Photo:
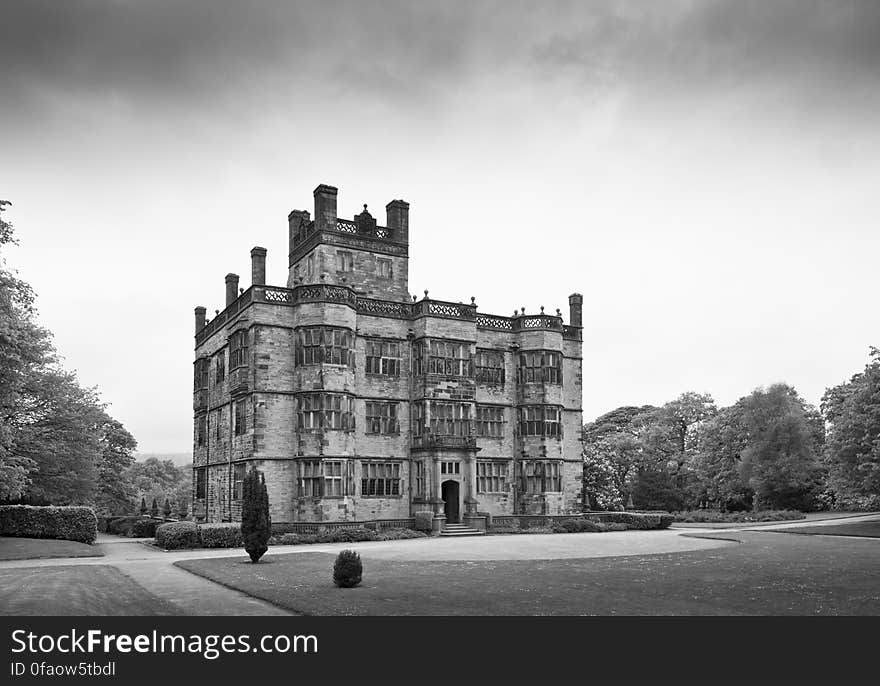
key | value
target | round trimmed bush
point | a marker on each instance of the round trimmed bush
(347, 570)
(176, 535)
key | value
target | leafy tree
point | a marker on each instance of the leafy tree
(54, 441)
(115, 489)
(852, 451)
(780, 459)
(716, 464)
(56, 424)
(24, 346)
(160, 479)
(255, 522)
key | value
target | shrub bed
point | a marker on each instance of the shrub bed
(176, 535)
(708, 516)
(69, 523)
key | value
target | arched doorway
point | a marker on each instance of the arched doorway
(449, 492)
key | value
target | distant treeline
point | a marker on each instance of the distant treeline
(769, 450)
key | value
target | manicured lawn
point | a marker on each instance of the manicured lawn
(75, 590)
(768, 574)
(13, 548)
(868, 529)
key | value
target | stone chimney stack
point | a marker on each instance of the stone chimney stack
(258, 266)
(575, 309)
(231, 288)
(325, 207)
(200, 318)
(397, 222)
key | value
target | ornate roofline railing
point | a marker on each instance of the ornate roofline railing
(384, 308)
(345, 295)
(441, 308)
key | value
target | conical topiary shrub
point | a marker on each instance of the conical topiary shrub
(347, 570)
(166, 509)
(143, 506)
(255, 523)
(182, 509)
(154, 510)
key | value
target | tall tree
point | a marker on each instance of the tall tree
(255, 523)
(780, 460)
(852, 451)
(56, 425)
(115, 490)
(24, 346)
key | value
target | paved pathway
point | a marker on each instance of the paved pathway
(154, 570)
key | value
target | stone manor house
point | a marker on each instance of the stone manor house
(359, 402)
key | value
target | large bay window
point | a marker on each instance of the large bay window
(449, 358)
(238, 349)
(324, 345)
(381, 417)
(323, 478)
(491, 477)
(450, 419)
(540, 420)
(327, 411)
(539, 366)
(383, 358)
(380, 478)
(490, 421)
(542, 476)
(489, 367)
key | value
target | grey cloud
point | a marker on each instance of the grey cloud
(418, 54)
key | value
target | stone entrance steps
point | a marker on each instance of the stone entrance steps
(460, 530)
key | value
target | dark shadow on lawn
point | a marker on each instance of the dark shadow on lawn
(16, 548)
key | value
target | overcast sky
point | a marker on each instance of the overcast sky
(705, 173)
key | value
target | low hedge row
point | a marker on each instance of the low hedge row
(69, 523)
(594, 523)
(710, 516)
(177, 535)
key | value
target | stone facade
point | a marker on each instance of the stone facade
(359, 402)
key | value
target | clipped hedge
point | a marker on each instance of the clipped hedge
(176, 535)
(576, 526)
(710, 516)
(68, 523)
(220, 535)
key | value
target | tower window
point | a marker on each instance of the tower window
(540, 366)
(382, 418)
(490, 421)
(450, 419)
(344, 261)
(491, 477)
(540, 420)
(489, 367)
(383, 268)
(542, 476)
(380, 478)
(383, 358)
(323, 345)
